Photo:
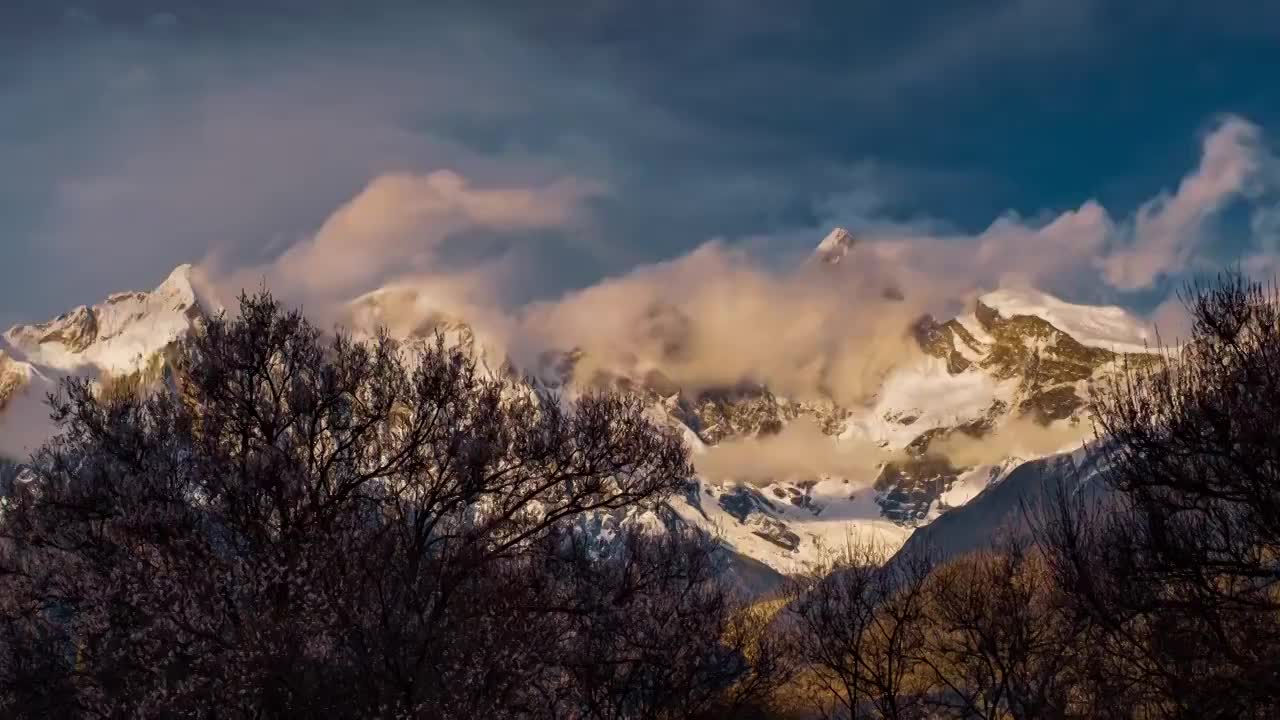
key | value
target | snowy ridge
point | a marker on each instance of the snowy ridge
(115, 336)
(24, 417)
(125, 334)
(789, 527)
(1107, 327)
(928, 396)
(1020, 358)
(834, 246)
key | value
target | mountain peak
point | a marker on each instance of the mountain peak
(1103, 326)
(119, 334)
(189, 289)
(1018, 354)
(834, 246)
(179, 278)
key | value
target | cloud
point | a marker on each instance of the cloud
(142, 152)
(721, 315)
(1011, 251)
(454, 163)
(244, 124)
(724, 315)
(716, 318)
(395, 227)
(1172, 321)
(321, 173)
(143, 149)
(800, 451)
(1088, 251)
(1167, 229)
(1017, 437)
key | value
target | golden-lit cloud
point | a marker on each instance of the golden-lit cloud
(1166, 230)
(716, 318)
(719, 316)
(800, 451)
(395, 226)
(1017, 437)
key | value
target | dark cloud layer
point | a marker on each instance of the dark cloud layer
(136, 135)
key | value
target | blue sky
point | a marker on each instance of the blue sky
(138, 135)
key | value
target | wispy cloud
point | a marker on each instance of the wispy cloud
(1089, 250)
(1165, 233)
(395, 227)
(723, 315)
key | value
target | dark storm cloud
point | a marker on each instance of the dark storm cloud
(136, 135)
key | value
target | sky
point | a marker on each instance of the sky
(544, 160)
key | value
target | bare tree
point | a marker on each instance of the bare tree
(298, 526)
(1176, 567)
(999, 642)
(859, 625)
(650, 632)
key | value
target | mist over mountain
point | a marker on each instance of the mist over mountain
(791, 462)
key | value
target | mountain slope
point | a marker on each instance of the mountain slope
(1005, 508)
(125, 335)
(989, 390)
(992, 388)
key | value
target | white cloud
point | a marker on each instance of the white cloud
(394, 227)
(717, 318)
(1166, 230)
(800, 451)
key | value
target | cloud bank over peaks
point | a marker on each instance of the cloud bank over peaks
(1089, 252)
(396, 226)
(800, 451)
(1166, 231)
(722, 315)
(717, 317)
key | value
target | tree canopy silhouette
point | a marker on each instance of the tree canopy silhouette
(1175, 564)
(297, 524)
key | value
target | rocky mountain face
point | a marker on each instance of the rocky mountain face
(1018, 357)
(1044, 373)
(126, 337)
(117, 335)
(12, 377)
(998, 512)
(834, 247)
(1017, 360)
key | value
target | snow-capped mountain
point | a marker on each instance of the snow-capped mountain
(127, 335)
(1002, 507)
(116, 335)
(995, 388)
(834, 247)
(991, 389)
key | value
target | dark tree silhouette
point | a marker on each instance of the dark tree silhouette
(999, 643)
(296, 525)
(985, 635)
(1175, 566)
(859, 624)
(650, 634)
